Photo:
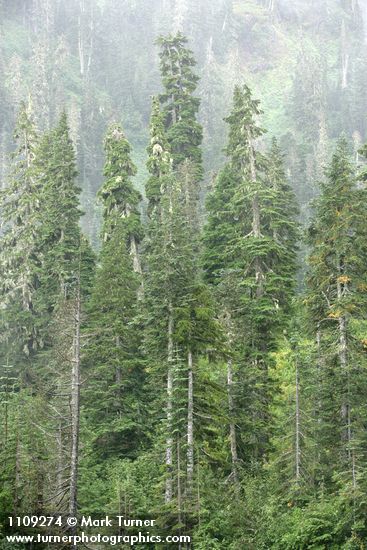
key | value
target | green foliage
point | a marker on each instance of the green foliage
(180, 107)
(336, 302)
(20, 207)
(113, 359)
(251, 239)
(140, 325)
(159, 162)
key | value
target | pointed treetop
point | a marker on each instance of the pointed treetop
(180, 106)
(159, 161)
(243, 128)
(25, 131)
(118, 170)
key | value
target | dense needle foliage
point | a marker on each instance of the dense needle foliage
(205, 363)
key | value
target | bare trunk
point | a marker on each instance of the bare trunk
(179, 492)
(80, 37)
(60, 459)
(190, 424)
(343, 359)
(169, 442)
(319, 386)
(345, 71)
(344, 57)
(298, 428)
(232, 427)
(81, 50)
(256, 217)
(198, 490)
(91, 29)
(75, 409)
(354, 471)
(17, 476)
(135, 255)
(256, 221)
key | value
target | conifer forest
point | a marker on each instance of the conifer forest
(183, 273)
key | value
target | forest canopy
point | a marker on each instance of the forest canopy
(183, 270)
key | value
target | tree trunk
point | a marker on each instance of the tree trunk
(344, 57)
(319, 385)
(169, 442)
(60, 459)
(179, 492)
(80, 37)
(298, 428)
(135, 255)
(343, 358)
(256, 221)
(190, 424)
(75, 408)
(232, 427)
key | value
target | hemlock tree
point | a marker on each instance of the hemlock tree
(250, 255)
(59, 239)
(337, 305)
(113, 359)
(19, 205)
(159, 161)
(181, 325)
(64, 276)
(180, 107)
(60, 259)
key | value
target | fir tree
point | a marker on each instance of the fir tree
(337, 304)
(19, 206)
(119, 197)
(159, 162)
(59, 239)
(58, 265)
(181, 324)
(251, 255)
(113, 356)
(180, 107)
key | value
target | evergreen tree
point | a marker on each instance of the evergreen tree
(159, 162)
(181, 325)
(336, 303)
(57, 270)
(59, 236)
(19, 205)
(113, 358)
(180, 107)
(250, 255)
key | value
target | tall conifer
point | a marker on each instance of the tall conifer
(250, 255)
(19, 204)
(337, 304)
(180, 106)
(113, 357)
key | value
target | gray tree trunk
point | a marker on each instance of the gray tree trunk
(190, 424)
(75, 408)
(256, 222)
(298, 429)
(169, 441)
(232, 427)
